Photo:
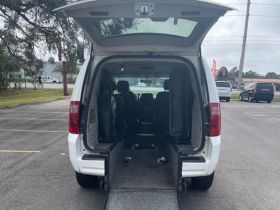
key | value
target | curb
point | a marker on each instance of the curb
(33, 103)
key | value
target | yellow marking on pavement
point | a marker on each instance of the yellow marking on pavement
(19, 151)
(34, 131)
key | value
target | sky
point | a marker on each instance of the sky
(224, 41)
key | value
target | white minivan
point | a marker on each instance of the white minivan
(50, 79)
(155, 137)
(224, 90)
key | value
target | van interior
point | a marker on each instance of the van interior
(144, 113)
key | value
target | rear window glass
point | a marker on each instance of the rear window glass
(222, 84)
(264, 85)
(125, 26)
(139, 85)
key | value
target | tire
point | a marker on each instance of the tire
(228, 100)
(250, 98)
(269, 101)
(240, 97)
(203, 182)
(87, 181)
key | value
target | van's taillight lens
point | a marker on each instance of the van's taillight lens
(215, 119)
(74, 112)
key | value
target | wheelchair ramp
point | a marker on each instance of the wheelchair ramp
(142, 199)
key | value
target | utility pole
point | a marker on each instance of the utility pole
(242, 58)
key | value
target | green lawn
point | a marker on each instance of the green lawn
(13, 97)
(236, 97)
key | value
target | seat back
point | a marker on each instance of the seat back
(161, 109)
(146, 103)
(129, 101)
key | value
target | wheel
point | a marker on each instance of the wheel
(87, 180)
(203, 182)
(250, 98)
(228, 99)
(269, 101)
(240, 97)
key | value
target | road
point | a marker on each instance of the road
(35, 172)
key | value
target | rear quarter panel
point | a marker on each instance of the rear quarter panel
(77, 91)
(213, 93)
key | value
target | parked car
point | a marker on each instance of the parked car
(224, 90)
(50, 79)
(257, 92)
(107, 122)
(277, 86)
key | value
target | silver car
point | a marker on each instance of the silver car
(224, 90)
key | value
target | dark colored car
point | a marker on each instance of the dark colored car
(257, 92)
(277, 86)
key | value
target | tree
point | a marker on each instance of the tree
(29, 23)
(33, 69)
(233, 74)
(271, 75)
(8, 65)
(251, 74)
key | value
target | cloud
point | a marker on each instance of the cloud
(224, 41)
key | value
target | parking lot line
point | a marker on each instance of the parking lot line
(19, 151)
(21, 118)
(34, 131)
(33, 111)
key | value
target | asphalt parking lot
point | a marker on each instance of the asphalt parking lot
(35, 172)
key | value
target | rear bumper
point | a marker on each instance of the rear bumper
(90, 167)
(195, 169)
(189, 169)
(263, 97)
(224, 94)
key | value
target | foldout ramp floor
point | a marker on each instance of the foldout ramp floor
(126, 199)
(143, 184)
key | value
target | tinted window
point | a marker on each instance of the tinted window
(222, 84)
(264, 85)
(124, 26)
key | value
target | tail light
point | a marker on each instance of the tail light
(74, 113)
(215, 119)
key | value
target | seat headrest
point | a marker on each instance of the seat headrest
(146, 99)
(166, 84)
(122, 86)
(112, 86)
(108, 87)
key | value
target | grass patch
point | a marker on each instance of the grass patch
(236, 97)
(14, 97)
